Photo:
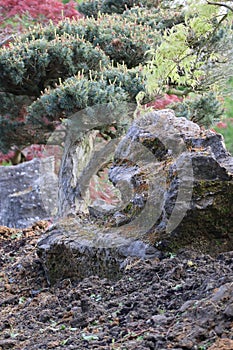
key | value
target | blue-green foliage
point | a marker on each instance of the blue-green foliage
(29, 67)
(66, 67)
(201, 109)
(120, 39)
(91, 8)
(110, 86)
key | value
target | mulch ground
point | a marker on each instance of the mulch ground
(179, 302)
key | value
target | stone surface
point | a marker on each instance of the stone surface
(176, 191)
(28, 192)
(76, 249)
(188, 184)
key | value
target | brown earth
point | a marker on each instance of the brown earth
(179, 302)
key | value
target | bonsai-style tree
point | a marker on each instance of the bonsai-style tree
(136, 54)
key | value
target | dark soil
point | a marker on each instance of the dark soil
(178, 302)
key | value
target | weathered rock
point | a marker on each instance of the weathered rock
(7, 343)
(177, 191)
(76, 249)
(193, 182)
(28, 192)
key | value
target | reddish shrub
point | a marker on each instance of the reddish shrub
(164, 102)
(43, 10)
(221, 125)
(33, 151)
(28, 153)
(6, 157)
(18, 15)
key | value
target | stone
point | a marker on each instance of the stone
(76, 249)
(188, 185)
(222, 344)
(28, 192)
(7, 343)
(229, 310)
(176, 190)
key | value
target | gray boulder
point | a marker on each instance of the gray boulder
(186, 192)
(28, 192)
(176, 191)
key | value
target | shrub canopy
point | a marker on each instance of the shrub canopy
(129, 51)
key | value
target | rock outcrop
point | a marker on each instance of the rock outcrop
(188, 198)
(28, 192)
(176, 191)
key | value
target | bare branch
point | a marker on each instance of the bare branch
(5, 40)
(220, 4)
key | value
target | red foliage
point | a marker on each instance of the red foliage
(164, 102)
(33, 151)
(42, 10)
(29, 153)
(6, 157)
(221, 125)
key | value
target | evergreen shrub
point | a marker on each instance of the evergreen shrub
(203, 109)
(27, 68)
(52, 71)
(91, 8)
(109, 86)
(156, 18)
(122, 40)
